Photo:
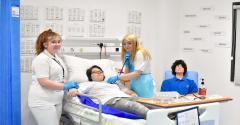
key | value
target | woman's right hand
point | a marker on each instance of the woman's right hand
(69, 85)
(73, 92)
(133, 94)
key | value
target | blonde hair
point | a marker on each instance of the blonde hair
(44, 37)
(135, 47)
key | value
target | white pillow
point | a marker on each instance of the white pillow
(77, 67)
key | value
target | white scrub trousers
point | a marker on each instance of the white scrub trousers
(47, 115)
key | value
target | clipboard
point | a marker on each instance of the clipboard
(188, 116)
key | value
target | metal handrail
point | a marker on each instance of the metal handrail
(99, 110)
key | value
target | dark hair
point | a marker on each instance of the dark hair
(89, 72)
(179, 62)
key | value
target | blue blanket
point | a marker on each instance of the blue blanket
(107, 109)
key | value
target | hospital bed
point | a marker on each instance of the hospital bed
(84, 115)
(81, 114)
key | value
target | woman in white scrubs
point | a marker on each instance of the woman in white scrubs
(48, 78)
(137, 60)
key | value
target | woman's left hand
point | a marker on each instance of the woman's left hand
(73, 92)
(134, 94)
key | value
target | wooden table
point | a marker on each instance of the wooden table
(175, 103)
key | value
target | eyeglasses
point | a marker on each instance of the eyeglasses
(97, 72)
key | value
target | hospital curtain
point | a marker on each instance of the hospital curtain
(10, 101)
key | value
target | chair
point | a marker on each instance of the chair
(193, 75)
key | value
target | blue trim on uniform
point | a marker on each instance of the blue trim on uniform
(10, 90)
(182, 86)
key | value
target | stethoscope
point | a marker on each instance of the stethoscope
(58, 62)
(59, 65)
(121, 71)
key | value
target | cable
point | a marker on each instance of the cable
(127, 58)
(121, 71)
(198, 97)
(105, 50)
(100, 53)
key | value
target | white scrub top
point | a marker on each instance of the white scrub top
(44, 66)
(142, 65)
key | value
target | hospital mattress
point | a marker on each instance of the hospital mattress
(85, 116)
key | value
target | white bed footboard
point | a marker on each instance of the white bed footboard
(83, 115)
(209, 115)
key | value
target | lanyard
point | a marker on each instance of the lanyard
(59, 65)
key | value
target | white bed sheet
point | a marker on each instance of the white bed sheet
(93, 115)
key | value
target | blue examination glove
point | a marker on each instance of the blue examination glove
(113, 79)
(69, 85)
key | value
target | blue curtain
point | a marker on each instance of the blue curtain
(10, 94)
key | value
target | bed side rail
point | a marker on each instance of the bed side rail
(99, 110)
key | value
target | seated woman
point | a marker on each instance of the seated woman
(179, 82)
(109, 94)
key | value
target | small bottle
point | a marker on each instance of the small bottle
(202, 90)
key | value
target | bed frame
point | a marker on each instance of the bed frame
(209, 114)
(70, 114)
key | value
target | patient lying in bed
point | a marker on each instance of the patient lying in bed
(109, 94)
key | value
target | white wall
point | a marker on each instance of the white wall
(215, 65)
(116, 27)
(26, 116)
(167, 44)
(162, 27)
